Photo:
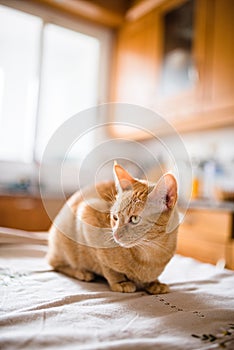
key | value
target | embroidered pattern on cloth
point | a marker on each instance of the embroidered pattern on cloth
(177, 308)
(224, 338)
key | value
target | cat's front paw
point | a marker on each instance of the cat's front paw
(157, 288)
(123, 287)
(76, 273)
(84, 276)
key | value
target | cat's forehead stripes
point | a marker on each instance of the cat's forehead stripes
(130, 201)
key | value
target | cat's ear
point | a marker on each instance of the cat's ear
(165, 191)
(123, 180)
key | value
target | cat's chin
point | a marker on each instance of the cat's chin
(125, 244)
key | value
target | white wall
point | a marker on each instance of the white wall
(216, 145)
(200, 145)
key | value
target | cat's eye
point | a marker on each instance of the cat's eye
(135, 219)
(115, 217)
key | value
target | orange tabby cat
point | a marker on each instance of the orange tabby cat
(123, 230)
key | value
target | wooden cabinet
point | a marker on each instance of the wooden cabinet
(27, 213)
(230, 255)
(207, 236)
(186, 69)
(220, 55)
(136, 61)
(208, 101)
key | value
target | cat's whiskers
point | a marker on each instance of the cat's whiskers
(140, 245)
(157, 244)
(110, 239)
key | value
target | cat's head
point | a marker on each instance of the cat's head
(141, 211)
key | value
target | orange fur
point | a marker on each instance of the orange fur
(97, 233)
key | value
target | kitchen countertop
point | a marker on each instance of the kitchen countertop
(33, 193)
(204, 204)
(207, 204)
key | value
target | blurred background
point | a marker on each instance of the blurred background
(173, 57)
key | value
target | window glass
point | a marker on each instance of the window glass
(69, 82)
(19, 62)
(179, 72)
(48, 73)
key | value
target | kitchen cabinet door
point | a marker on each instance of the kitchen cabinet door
(206, 235)
(143, 46)
(178, 61)
(27, 212)
(135, 68)
(220, 59)
(182, 65)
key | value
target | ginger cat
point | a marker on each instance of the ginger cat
(124, 230)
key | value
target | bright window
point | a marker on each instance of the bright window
(19, 59)
(69, 81)
(48, 73)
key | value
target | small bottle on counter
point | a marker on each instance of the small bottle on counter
(196, 181)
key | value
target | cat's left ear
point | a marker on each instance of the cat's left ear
(123, 180)
(165, 191)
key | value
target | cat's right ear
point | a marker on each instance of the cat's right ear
(165, 191)
(123, 180)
